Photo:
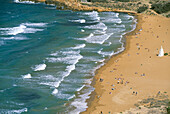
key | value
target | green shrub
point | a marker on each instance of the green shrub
(142, 9)
(168, 15)
(123, 0)
(168, 110)
(139, 3)
(161, 8)
(165, 54)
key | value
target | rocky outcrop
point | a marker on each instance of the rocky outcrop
(131, 6)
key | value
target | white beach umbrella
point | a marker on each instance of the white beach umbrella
(161, 52)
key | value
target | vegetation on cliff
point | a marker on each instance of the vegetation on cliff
(152, 7)
(158, 104)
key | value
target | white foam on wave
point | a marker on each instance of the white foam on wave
(94, 15)
(112, 20)
(22, 28)
(4, 111)
(129, 17)
(66, 73)
(13, 30)
(14, 38)
(25, 2)
(109, 43)
(82, 30)
(79, 46)
(69, 69)
(134, 25)
(116, 30)
(67, 60)
(122, 48)
(2, 91)
(90, 35)
(106, 53)
(55, 91)
(117, 14)
(19, 111)
(35, 24)
(100, 25)
(120, 26)
(79, 21)
(32, 30)
(71, 97)
(99, 32)
(100, 51)
(72, 52)
(80, 103)
(69, 57)
(79, 89)
(39, 67)
(111, 14)
(92, 59)
(26, 76)
(101, 61)
(99, 39)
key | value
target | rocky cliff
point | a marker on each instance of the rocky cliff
(150, 7)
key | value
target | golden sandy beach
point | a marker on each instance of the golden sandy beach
(137, 69)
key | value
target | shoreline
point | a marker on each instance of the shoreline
(100, 88)
(92, 100)
(120, 50)
(94, 105)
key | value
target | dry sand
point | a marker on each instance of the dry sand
(140, 57)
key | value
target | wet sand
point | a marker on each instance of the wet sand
(136, 73)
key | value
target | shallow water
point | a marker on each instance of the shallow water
(48, 57)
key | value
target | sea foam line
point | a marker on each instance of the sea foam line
(79, 21)
(27, 76)
(80, 103)
(71, 58)
(19, 111)
(14, 38)
(22, 28)
(99, 39)
(39, 67)
(79, 46)
(100, 25)
(35, 24)
(94, 15)
(26, 2)
(67, 72)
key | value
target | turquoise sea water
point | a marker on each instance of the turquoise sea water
(48, 57)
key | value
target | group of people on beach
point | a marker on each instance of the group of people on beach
(134, 93)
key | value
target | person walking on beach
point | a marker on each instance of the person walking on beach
(136, 93)
(133, 92)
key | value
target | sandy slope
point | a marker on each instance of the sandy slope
(138, 58)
